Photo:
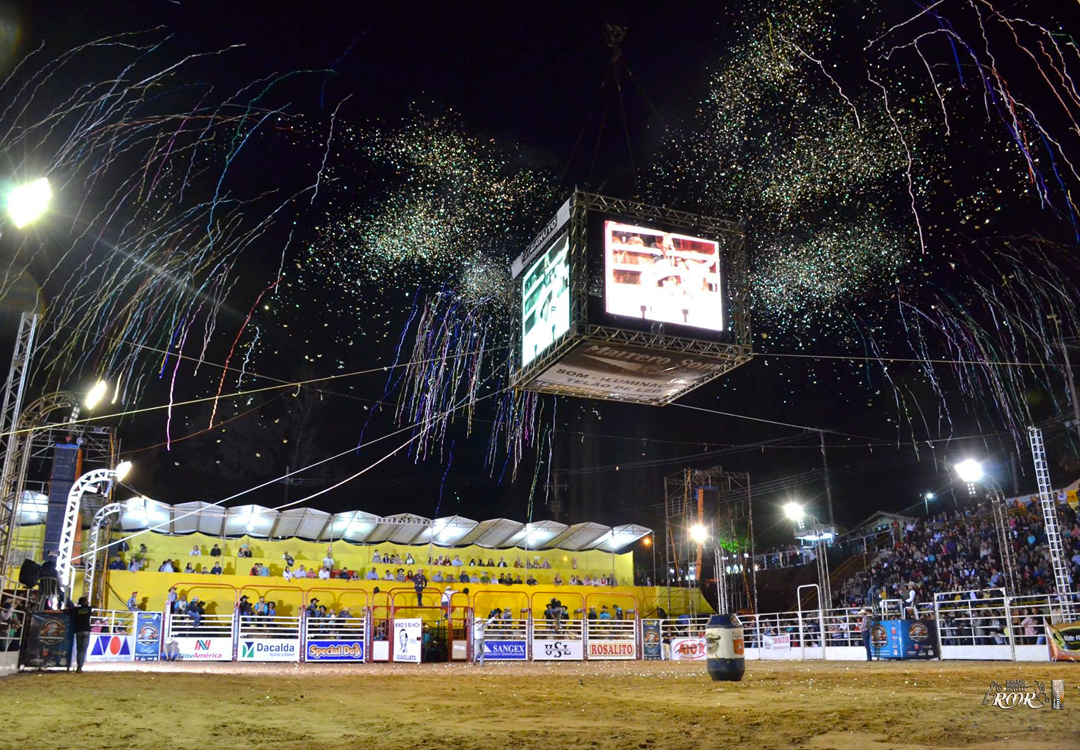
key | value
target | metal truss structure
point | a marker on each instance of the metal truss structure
(10, 435)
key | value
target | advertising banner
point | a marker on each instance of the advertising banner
(47, 642)
(269, 649)
(203, 649)
(1065, 641)
(919, 639)
(650, 638)
(504, 650)
(541, 240)
(334, 650)
(551, 650)
(612, 650)
(406, 640)
(627, 373)
(778, 642)
(885, 639)
(687, 649)
(147, 636)
(107, 647)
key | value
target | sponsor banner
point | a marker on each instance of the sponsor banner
(548, 231)
(203, 649)
(919, 639)
(553, 650)
(628, 373)
(104, 647)
(269, 649)
(406, 640)
(504, 650)
(147, 636)
(687, 649)
(334, 650)
(885, 639)
(650, 638)
(1065, 641)
(612, 650)
(47, 642)
(778, 642)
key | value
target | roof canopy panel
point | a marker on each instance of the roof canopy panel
(402, 528)
(353, 526)
(305, 523)
(144, 513)
(250, 520)
(579, 536)
(492, 534)
(620, 537)
(536, 534)
(446, 532)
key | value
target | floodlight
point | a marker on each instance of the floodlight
(122, 470)
(698, 533)
(794, 511)
(98, 392)
(26, 203)
(969, 470)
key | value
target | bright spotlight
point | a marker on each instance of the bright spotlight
(969, 470)
(26, 203)
(698, 533)
(794, 511)
(98, 392)
(122, 470)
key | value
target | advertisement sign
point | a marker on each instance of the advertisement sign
(558, 221)
(612, 650)
(545, 301)
(47, 642)
(334, 651)
(650, 639)
(504, 650)
(885, 639)
(627, 373)
(106, 647)
(406, 640)
(919, 639)
(269, 649)
(203, 649)
(553, 650)
(1065, 641)
(147, 636)
(662, 277)
(687, 649)
(778, 642)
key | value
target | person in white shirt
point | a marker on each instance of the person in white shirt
(324, 573)
(479, 629)
(195, 551)
(328, 562)
(287, 574)
(372, 574)
(301, 572)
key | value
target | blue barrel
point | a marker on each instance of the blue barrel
(724, 648)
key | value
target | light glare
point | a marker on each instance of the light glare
(98, 392)
(122, 470)
(794, 511)
(969, 470)
(26, 203)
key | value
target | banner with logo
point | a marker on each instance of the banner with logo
(269, 649)
(1065, 641)
(612, 650)
(405, 640)
(334, 650)
(203, 649)
(147, 636)
(552, 650)
(650, 640)
(504, 650)
(687, 649)
(885, 639)
(918, 639)
(47, 642)
(777, 642)
(106, 647)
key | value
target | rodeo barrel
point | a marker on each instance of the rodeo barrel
(724, 644)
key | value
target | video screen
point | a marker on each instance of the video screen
(545, 300)
(662, 277)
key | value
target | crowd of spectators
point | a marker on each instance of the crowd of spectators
(959, 551)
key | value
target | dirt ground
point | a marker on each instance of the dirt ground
(653, 705)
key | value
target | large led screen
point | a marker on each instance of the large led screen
(545, 300)
(662, 277)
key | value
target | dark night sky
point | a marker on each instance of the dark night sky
(528, 73)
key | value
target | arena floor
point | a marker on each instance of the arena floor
(655, 705)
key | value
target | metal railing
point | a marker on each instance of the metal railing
(561, 629)
(210, 626)
(268, 626)
(116, 621)
(611, 630)
(335, 628)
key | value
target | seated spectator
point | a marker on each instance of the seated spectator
(166, 567)
(517, 579)
(195, 611)
(134, 566)
(271, 610)
(557, 580)
(216, 570)
(180, 607)
(216, 551)
(324, 573)
(256, 569)
(376, 558)
(502, 562)
(117, 564)
(491, 562)
(246, 610)
(457, 562)
(287, 574)
(409, 576)
(265, 571)
(195, 551)
(530, 581)
(289, 561)
(399, 576)
(484, 577)
(587, 580)
(245, 551)
(592, 613)
(464, 578)
(188, 568)
(409, 559)
(517, 562)
(436, 577)
(388, 576)
(260, 607)
(301, 572)
(618, 612)
(546, 565)
(372, 574)
(472, 562)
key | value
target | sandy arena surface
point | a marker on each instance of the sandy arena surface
(655, 705)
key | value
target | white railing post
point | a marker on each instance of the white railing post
(1009, 627)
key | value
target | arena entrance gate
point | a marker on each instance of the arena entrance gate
(560, 638)
(269, 638)
(612, 638)
(340, 639)
(213, 638)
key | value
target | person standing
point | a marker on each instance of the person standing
(479, 629)
(419, 583)
(864, 629)
(80, 626)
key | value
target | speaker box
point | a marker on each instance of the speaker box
(29, 573)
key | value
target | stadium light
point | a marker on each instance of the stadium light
(26, 203)
(98, 392)
(794, 511)
(698, 533)
(122, 470)
(969, 470)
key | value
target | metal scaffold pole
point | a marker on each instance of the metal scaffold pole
(10, 439)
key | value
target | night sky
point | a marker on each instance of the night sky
(843, 266)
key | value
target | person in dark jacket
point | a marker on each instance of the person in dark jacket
(80, 625)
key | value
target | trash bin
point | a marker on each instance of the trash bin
(724, 648)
